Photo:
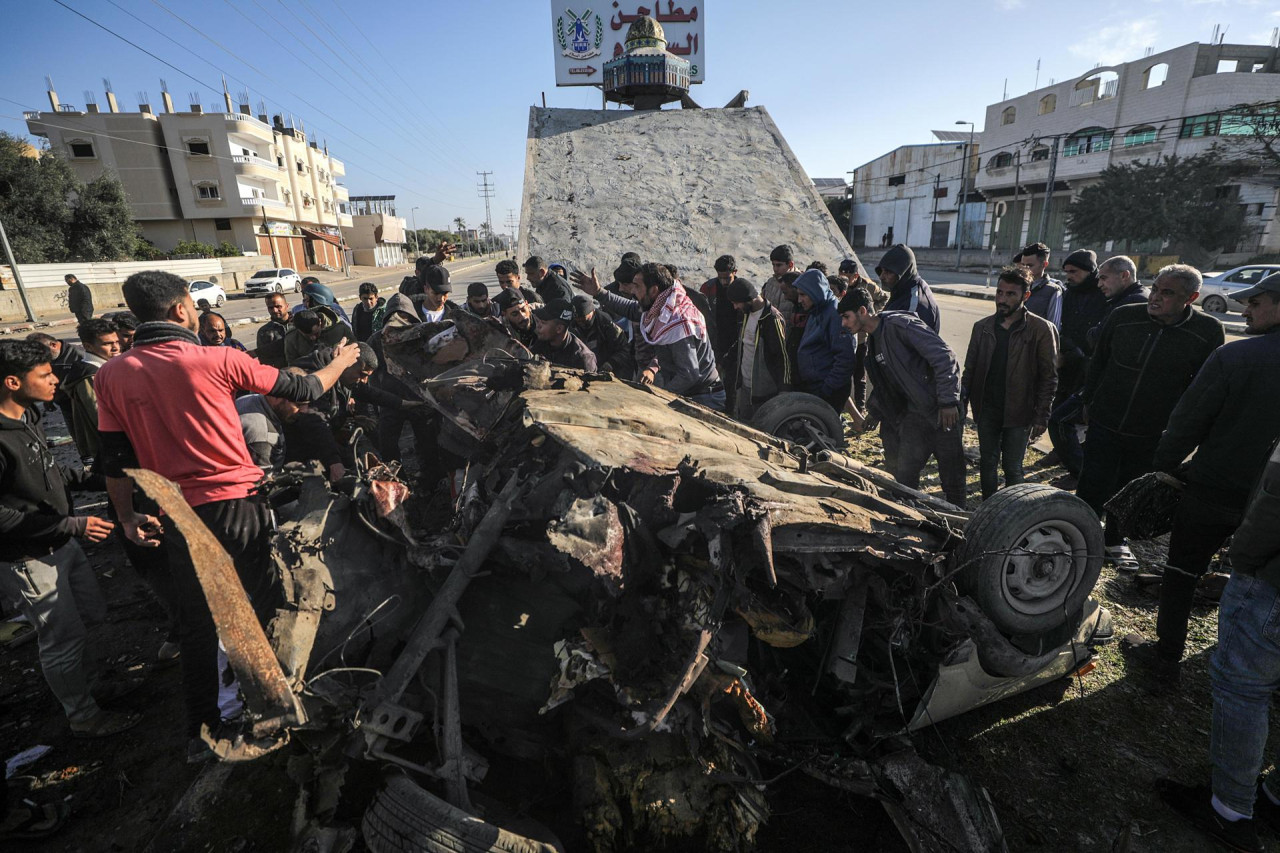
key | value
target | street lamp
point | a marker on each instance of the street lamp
(964, 178)
(417, 249)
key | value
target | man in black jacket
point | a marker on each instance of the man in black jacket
(42, 567)
(517, 315)
(1119, 283)
(79, 298)
(603, 337)
(1146, 357)
(1229, 417)
(1245, 675)
(270, 348)
(907, 290)
(555, 342)
(1082, 308)
(508, 273)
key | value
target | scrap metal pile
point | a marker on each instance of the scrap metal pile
(651, 609)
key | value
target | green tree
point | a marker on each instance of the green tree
(840, 209)
(102, 226)
(228, 250)
(195, 247)
(35, 195)
(1184, 201)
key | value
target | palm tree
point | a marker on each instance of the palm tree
(461, 225)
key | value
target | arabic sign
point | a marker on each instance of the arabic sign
(585, 35)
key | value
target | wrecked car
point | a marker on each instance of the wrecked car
(646, 608)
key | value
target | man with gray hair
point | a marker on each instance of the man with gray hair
(1145, 359)
(1229, 418)
(1118, 281)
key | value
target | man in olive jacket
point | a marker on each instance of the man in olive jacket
(1146, 357)
(1010, 376)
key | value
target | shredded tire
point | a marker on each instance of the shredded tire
(1029, 595)
(405, 818)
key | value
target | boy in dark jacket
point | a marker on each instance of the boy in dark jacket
(1146, 357)
(761, 367)
(825, 357)
(42, 567)
(366, 316)
(915, 393)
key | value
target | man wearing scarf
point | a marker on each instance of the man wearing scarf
(673, 349)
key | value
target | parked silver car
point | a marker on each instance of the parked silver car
(273, 281)
(1217, 294)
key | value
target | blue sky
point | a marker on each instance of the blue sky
(417, 96)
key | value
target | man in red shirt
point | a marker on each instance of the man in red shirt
(168, 405)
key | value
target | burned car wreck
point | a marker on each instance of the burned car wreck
(649, 608)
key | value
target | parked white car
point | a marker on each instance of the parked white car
(273, 281)
(208, 292)
(1217, 294)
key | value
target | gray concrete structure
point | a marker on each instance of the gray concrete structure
(677, 186)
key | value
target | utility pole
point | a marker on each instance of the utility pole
(17, 276)
(1048, 191)
(486, 193)
(512, 224)
(1017, 198)
(417, 246)
(962, 195)
(853, 176)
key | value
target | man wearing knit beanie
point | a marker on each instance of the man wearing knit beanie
(1083, 307)
(759, 365)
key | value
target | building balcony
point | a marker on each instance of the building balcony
(261, 202)
(344, 220)
(248, 163)
(241, 123)
(337, 167)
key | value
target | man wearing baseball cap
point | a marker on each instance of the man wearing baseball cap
(603, 337)
(555, 342)
(435, 305)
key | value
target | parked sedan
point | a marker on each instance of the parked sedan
(208, 293)
(273, 281)
(1217, 294)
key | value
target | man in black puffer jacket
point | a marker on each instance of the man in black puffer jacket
(1083, 306)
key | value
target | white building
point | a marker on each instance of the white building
(214, 177)
(376, 236)
(910, 196)
(1175, 102)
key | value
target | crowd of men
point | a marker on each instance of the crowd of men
(1145, 376)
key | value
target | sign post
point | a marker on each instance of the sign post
(585, 35)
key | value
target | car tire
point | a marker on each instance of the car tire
(279, 287)
(297, 286)
(222, 300)
(790, 415)
(1214, 304)
(1031, 557)
(405, 817)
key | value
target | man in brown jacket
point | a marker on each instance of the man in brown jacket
(1010, 375)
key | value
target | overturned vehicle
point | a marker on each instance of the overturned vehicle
(641, 616)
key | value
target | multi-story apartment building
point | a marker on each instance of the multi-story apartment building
(376, 236)
(911, 195)
(210, 176)
(1175, 102)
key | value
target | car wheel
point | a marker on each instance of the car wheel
(1214, 305)
(279, 287)
(222, 300)
(404, 816)
(297, 286)
(1030, 559)
(802, 419)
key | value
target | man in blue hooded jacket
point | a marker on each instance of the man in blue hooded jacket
(316, 295)
(826, 355)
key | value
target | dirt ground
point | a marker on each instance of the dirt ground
(1069, 766)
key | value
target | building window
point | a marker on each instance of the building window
(1003, 160)
(1098, 86)
(1040, 152)
(1140, 136)
(207, 191)
(1087, 141)
(1227, 66)
(940, 192)
(301, 168)
(1008, 116)
(198, 147)
(222, 224)
(1194, 127)
(1155, 75)
(1048, 104)
(81, 149)
(897, 180)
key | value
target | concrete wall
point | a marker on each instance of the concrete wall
(677, 186)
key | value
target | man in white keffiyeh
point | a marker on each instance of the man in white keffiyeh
(673, 347)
